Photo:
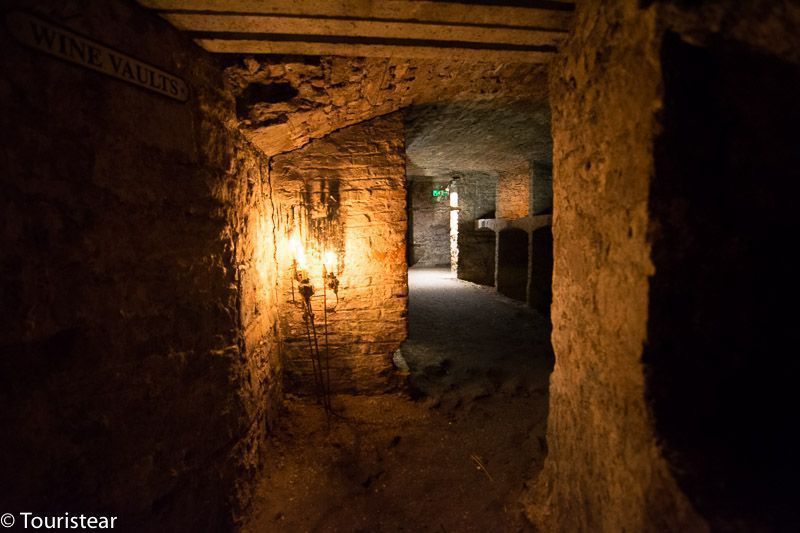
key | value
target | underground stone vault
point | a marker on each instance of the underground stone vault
(401, 265)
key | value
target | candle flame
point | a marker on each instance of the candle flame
(330, 260)
(298, 252)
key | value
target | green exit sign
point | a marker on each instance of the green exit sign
(440, 193)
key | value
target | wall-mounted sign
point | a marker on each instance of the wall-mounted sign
(441, 192)
(70, 46)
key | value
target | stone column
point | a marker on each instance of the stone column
(513, 192)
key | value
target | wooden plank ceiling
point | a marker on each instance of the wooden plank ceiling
(519, 31)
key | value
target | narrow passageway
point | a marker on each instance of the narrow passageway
(466, 341)
(221, 223)
(453, 455)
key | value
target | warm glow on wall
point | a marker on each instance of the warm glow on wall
(307, 288)
(304, 254)
(330, 261)
(298, 251)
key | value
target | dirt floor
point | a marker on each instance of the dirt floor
(451, 454)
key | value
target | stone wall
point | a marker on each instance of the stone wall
(604, 470)
(476, 248)
(284, 102)
(614, 464)
(138, 366)
(346, 193)
(430, 222)
(513, 248)
(514, 192)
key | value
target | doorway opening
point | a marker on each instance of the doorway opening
(477, 360)
(720, 382)
(429, 236)
(454, 225)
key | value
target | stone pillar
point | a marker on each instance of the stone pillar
(672, 159)
(476, 248)
(513, 192)
(604, 470)
(430, 222)
(513, 201)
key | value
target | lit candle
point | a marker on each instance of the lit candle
(298, 252)
(301, 259)
(330, 261)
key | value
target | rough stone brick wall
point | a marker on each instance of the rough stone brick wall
(311, 97)
(257, 377)
(514, 192)
(346, 192)
(138, 342)
(430, 223)
(476, 248)
(604, 470)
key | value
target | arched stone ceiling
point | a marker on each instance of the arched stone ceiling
(282, 103)
(472, 72)
(489, 136)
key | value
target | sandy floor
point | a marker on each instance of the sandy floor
(452, 454)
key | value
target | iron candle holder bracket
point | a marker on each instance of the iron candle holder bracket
(320, 365)
(331, 282)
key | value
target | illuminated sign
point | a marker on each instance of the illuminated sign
(441, 192)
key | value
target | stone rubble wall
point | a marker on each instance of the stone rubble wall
(283, 103)
(346, 193)
(514, 192)
(139, 367)
(606, 470)
(430, 232)
(476, 248)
